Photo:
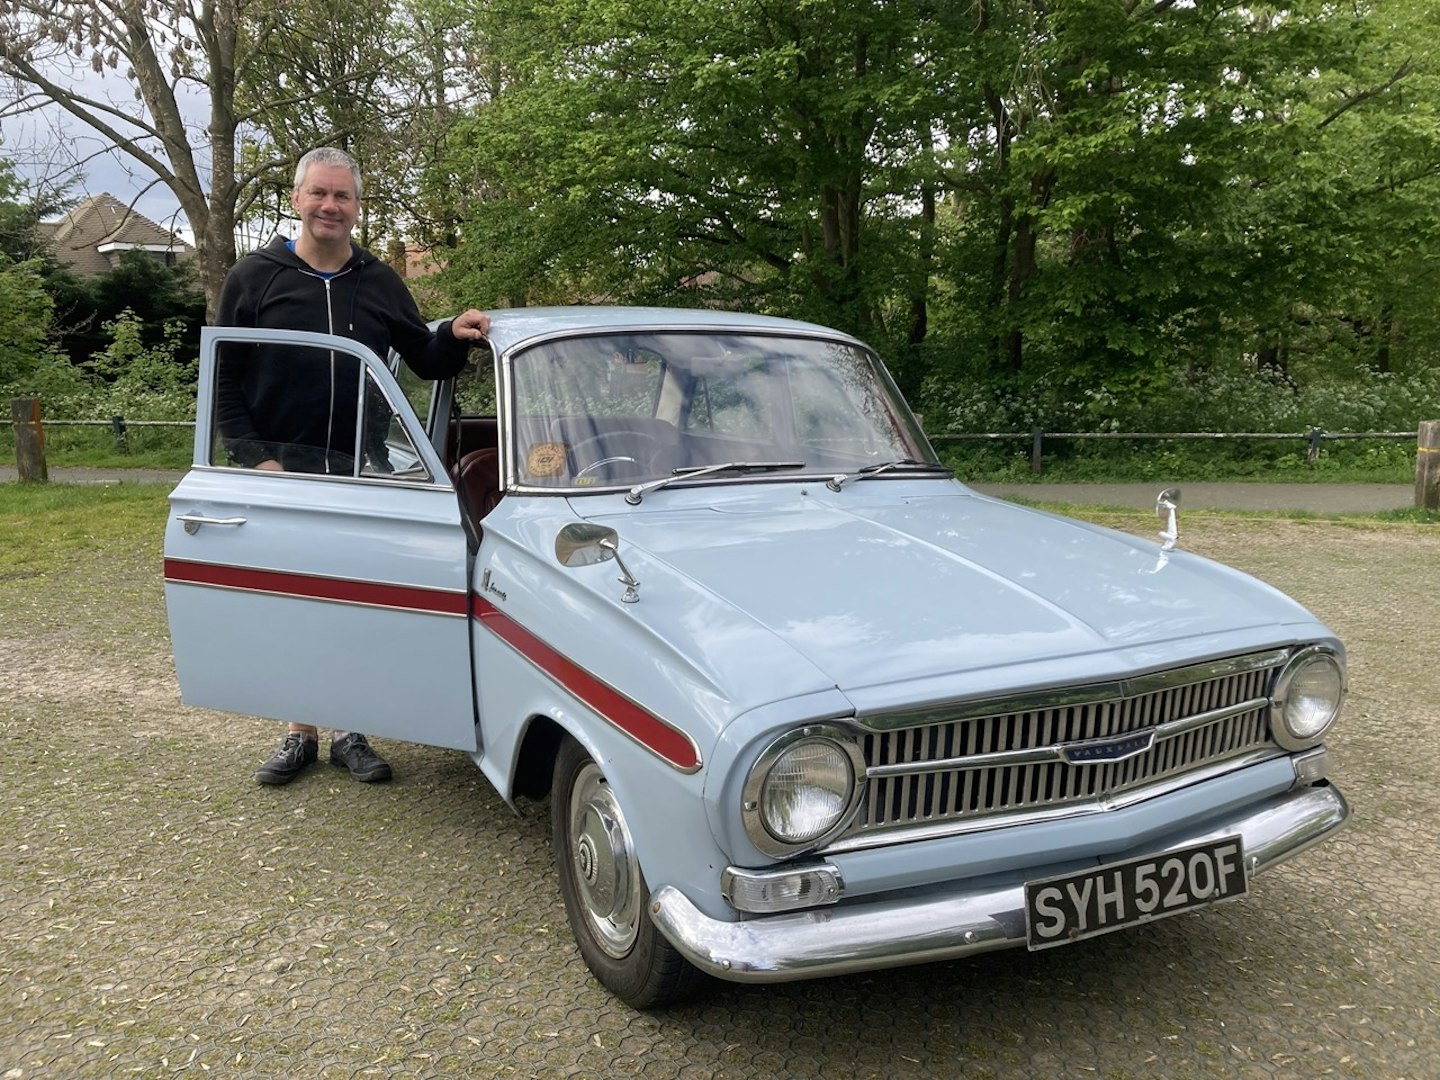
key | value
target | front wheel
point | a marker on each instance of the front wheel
(604, 889)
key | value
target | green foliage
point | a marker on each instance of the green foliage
(148, 381)
(126, 378)
(737, 153)
(157, 297)
(25, 310)
(1234, 399)
(1160, 461)
(1070, 205)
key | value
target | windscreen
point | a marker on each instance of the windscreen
(622, 409)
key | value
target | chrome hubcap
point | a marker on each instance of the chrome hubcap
(606, 874)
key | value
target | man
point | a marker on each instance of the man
(277, 414)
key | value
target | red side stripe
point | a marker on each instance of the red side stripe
(374, 594)
(648, 730)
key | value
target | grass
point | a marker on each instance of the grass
(44, 527)
(1126, 514)
(1412, 514)
(98, 448)
(1373, 461)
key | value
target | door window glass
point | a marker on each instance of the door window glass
(307, 409)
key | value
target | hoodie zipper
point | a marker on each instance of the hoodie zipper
(330, 325)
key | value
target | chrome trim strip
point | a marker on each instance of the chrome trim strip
(1214, 669)
(273, 594)
(1091, 694)
(866, 935)
(430, 483)
(904, 834)
(1171, 728)
(1056, 752)
(974, 761)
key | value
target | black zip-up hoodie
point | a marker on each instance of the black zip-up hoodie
(271, 406)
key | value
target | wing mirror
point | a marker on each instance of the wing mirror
(583, 544)
(580, 544)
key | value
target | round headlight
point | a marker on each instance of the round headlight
(806, 791)
(1307, 698)
(802, 789)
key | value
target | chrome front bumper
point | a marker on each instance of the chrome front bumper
(863, 936)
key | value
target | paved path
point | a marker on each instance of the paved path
(9, 474)
(1311, 498)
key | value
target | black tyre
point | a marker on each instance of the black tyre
(605, 892)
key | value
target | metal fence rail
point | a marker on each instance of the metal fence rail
(1312, 437)
(111, 423)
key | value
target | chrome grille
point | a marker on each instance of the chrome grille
(974, 769)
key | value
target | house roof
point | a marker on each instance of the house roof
(90, 236)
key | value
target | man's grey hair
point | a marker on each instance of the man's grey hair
(327, 155)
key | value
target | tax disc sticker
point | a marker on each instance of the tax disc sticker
(545, 459)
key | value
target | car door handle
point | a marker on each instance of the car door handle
(194, 521)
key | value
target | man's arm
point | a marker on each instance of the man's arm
(237, 428)
(437, 355)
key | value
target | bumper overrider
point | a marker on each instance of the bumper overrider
(943, 925)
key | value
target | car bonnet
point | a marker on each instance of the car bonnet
(884, 583)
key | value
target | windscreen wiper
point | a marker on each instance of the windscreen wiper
(690, 472)
(835, 483)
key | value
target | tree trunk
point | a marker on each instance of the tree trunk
(1384, 335)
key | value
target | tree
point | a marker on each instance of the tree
(380, 81)
(155, 295)
(20, 215)
(1091, 192)
(55, 49)
(1378, 159)
(737, 152)
(211, 116)
(25, 309)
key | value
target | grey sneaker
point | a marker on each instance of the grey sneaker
(353, 752)
(297, 751)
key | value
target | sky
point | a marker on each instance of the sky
(61, 148)
(48, 145)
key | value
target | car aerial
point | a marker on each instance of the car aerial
(802, 703)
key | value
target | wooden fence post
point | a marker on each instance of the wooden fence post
(1427, 465)
(1037, 446)
(29, 439)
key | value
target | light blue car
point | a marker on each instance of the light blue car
(803, 704)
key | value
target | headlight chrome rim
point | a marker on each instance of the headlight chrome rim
(753, 795)
(1284, 696)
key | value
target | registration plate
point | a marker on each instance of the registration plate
(1063, 909)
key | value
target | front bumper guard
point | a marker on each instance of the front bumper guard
(865, 936)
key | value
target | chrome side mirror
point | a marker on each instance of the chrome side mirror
(1167, 509)
(582, 544)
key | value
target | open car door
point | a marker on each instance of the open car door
(335, 592)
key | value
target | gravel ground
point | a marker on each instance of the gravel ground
(162, 914)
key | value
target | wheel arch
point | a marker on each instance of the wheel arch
(535, 760)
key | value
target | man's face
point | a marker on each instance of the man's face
(326, 203)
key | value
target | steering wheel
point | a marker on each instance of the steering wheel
(649, 447)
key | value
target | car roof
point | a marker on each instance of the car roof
(510, 327)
